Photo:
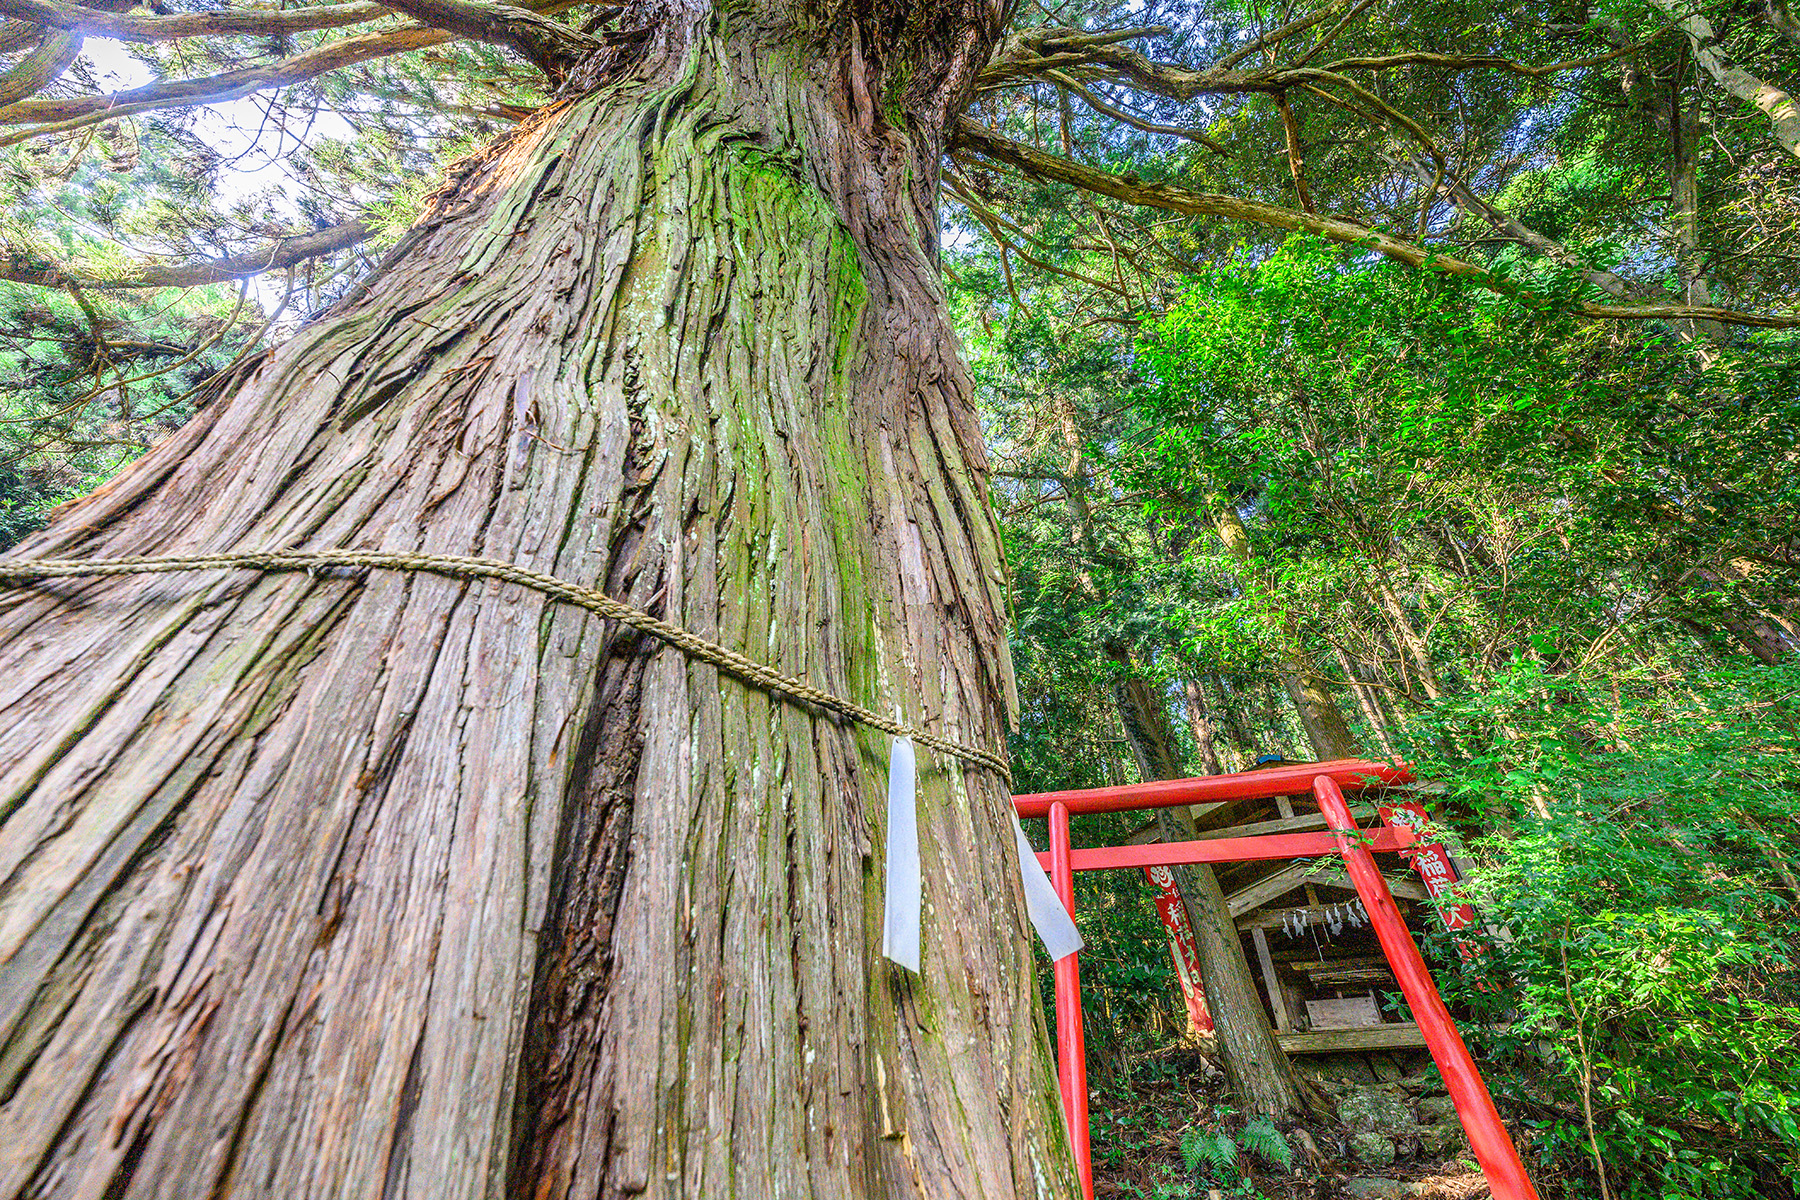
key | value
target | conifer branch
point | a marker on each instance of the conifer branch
(282, 252)
(551, 45)
(128, 27)
(1040, 51)
(42, 67)
(1172, 197)
(62, 114)
(1126, 118)
(1280, 34)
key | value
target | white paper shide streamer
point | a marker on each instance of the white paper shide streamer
(1055, 927)
(900, 918)
(904, 894)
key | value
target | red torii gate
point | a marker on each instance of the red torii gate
(1488, 1138)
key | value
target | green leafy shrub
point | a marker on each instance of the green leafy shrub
(1646, 994)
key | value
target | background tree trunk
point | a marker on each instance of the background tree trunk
(1252, 1057)
(1206, 733)
(402, 886)
(1320, 717)
(1255, 1064)
(1687, 131)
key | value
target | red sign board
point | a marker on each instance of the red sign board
(1433, 864)
(1181, 946)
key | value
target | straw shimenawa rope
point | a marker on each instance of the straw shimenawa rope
(20, 571)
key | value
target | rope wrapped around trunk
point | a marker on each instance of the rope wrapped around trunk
(17, 572)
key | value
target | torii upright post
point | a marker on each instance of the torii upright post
(1071, 1057)
(1488, 1138)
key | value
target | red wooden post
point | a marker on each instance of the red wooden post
(1211, 789)
(1071, 1052)
(1493, 1147)
(1264, 847)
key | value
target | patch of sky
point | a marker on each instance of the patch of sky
(254, 147)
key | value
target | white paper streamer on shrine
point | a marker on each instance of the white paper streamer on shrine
(1055, 927)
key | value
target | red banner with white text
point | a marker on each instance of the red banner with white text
(1432, 861)
(1181, 947)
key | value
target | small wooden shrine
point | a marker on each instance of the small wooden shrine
(1306, 935)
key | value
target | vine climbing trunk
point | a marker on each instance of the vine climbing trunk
(391, 885)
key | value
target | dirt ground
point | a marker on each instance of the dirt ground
(1138, 1125)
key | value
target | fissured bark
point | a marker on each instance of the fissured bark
(393, 885)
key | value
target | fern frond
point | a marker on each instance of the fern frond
(1217, 1152)
(1265, 1141)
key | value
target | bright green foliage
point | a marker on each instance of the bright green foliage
(1584, 536)
(88, 384)
(1556, 515)
(1529, 484)
(1653, 960)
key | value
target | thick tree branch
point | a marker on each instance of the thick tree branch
(211, 89)
(283, 252)
(56, 50)
(551, 45)
(126, 27)
(1290, 128)
(1511, 227)
(1126, 118)
(1475, 62)
(16, 36)
(43, 66)
(1781, 19)
(1046, 49)
(1280, 34)
(1175, 198)
(61, 115)
(1037, 52)
(1781, 109)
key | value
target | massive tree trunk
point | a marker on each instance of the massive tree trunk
(392, 885)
